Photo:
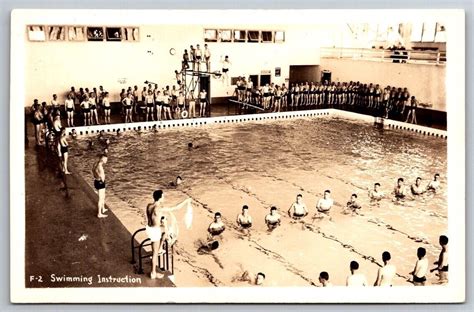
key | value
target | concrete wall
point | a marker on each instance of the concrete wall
(53, 67)
(426, 82)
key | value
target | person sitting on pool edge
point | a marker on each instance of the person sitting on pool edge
(298, 209)
(376, 195)
(352, 205)
(324, 205)
(324, 279)
(217, 226)
(244, 220)
(400, 191)
(416, 188)
(434, 184)
(272, 219)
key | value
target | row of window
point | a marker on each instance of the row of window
(82, 33)
(233, 35)
(416, 32)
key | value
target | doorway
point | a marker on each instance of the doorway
(304, 73)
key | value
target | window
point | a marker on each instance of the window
(240, 35)
(253, 36)
(130, 34)
(95, 33)
(36, 33)
(225, 35)
(75, 33)
(279, 36)
(210, 35)
(267, 36)
(114, 34)
(264, 79)
(56, 33)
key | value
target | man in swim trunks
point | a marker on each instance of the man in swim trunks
(434, 185)
(156, 230)
(298, 209)
(272, 220)
(400, 191)
(217, 227)
(421, 268)
(324, 204)
(386, 273)
(376, 195)
(244, 220)
(324, 279)
(417, 189)
(99, 184)
(442, 263)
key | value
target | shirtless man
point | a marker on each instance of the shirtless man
(207, 57)
(298, 209)
(376, 195)
(442, 263)
(421, 268)
(400, 191)
(217, 227)
(324, 204)
(434, 185)
(272, 220)
(244, 220)
(352, 205)
(416, 188)
(386, 273)
(69, 106)
(99, 184)
(150, 105)
(158, 229)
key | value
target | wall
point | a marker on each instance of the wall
(53, 67)
(425, 82)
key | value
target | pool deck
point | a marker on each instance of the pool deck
(58, 212)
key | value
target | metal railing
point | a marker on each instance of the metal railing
(390, 56)
(164, 260)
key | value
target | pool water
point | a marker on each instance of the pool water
(262, 164)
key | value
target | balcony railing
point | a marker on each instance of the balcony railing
(389, 56)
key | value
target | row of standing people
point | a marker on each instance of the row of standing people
(390, 100)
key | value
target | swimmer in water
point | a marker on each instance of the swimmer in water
(417, 189)
(217, 227)
(324, 205)
(246, 277)
(176, 182)
(352, 206)
(272, 220)
(400, 191)
(324, 279)
(244, 220)
(191, 146)
(298, 209)
(376, 195)
(387, 272)
(434, 185)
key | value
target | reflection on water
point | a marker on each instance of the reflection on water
(349, 152)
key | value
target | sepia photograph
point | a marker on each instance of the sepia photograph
(237, 156)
